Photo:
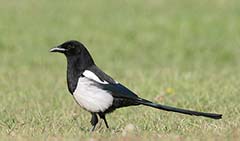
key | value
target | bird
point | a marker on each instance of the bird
(97, 92)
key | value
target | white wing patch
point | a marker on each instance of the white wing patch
(90, 97)
(91, 75)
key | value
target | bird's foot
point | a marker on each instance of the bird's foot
(93, 128)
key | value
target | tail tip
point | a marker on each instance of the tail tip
(218, 116)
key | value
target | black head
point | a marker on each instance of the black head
(70, 48)
(76, 53)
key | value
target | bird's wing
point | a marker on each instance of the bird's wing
(105, 82)
(103, 77)
(119, 91)
(92, 76)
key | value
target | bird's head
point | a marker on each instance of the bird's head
(75, 52)
(69, 48)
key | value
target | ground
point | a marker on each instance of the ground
(179, 53)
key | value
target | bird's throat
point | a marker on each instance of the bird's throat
(74, 71)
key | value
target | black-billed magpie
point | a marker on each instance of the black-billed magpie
(97, 92)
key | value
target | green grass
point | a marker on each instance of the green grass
(189, 46)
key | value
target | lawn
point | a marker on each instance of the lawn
(179, 53)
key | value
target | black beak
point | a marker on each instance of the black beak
(57, 49)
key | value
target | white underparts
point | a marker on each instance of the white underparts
(90, 97)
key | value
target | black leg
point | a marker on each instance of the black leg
(94, 121)
(102, 116)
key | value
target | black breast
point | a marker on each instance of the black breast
(74, 71)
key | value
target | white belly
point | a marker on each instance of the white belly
(90, 97)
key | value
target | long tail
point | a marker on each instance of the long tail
(178, 110)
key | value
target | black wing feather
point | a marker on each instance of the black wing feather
(101, 75)
(119, 91)
(116, 89)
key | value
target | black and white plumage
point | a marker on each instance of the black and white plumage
(97, 92)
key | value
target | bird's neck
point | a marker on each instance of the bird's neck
(75, 67)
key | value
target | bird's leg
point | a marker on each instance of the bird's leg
(94, 122)
(102, 116)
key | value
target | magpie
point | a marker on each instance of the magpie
(97, 92)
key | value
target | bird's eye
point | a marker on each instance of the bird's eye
(70, 47)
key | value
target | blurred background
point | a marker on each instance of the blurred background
(188, 48)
